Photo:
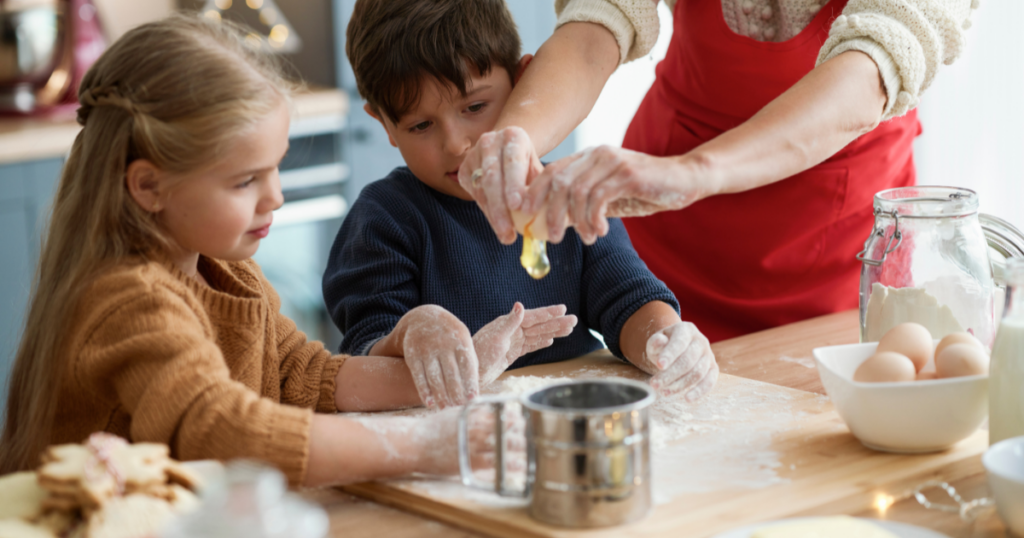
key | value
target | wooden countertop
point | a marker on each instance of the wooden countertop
(51, 136)
(781, 356)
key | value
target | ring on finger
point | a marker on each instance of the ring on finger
(475, 178)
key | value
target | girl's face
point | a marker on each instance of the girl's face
(224, 210)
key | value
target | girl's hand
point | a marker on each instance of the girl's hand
(438, 439)
(681, 360)
(507, 161)
(439, 352)
(605, 181)
(499, 343)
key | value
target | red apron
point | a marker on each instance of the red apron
(740, 263)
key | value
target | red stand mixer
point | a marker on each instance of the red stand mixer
(46, 46)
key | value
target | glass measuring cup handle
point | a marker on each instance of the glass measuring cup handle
(497, 404)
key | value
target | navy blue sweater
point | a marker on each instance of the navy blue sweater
(403, 245)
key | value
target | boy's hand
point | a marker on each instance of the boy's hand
(439, 352)
(499, 343)
(681, 360)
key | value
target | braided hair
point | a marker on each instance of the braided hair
(175, 92)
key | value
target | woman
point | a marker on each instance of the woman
(760, 145)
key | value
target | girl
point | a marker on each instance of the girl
(149, 320)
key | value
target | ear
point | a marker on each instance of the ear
(373, 114)
(143, 180)
(523, 63)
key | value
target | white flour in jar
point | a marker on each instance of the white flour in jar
(889, 307)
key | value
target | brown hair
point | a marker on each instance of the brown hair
(393, 44)
(175, 92)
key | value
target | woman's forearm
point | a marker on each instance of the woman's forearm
(562, 83)
(830, 107)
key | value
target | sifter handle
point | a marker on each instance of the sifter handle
(497, 404)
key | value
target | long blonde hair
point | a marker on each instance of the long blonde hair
(175, 92)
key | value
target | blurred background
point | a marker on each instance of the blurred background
(972, 118)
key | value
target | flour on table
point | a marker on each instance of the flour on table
(720, 442)
(735, 430)
(806, 362)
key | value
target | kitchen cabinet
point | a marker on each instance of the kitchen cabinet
(26, 190)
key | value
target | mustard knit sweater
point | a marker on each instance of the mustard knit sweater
(214, 372)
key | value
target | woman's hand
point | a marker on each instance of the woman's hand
(495, 173)
(681, 361)
(439, 352)
(499, 343)
(587, 187)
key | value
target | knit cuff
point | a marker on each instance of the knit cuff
(634, 23)
(328, 384)
(286, 443)
(917, 35)
(886, 68)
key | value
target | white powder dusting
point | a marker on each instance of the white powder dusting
(721, 442)
(731, 435)
(806, 362)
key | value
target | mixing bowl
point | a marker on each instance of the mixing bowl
(907, 417)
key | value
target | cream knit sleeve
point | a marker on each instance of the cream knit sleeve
(908, 39)
(634, 23)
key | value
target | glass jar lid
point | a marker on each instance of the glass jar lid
(927, 202)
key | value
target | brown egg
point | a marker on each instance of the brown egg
(926, 376)
(957, 338)
(961, 359)
(885, 367)
(910, 340)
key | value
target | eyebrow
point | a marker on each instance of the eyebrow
(478, 90)
(266, 168)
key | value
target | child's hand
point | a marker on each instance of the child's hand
(439, 352)
(681, 360)
(438, 438)
(499, 343)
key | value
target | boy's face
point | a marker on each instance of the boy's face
(436, 134)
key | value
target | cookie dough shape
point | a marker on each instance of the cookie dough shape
(130, 517)
(21, 496)
(16, 528)
(825, 527)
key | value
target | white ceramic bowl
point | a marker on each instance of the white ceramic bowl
(1004, 462)
(907, 417)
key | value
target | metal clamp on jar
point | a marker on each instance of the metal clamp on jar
(588, 452)
(933, 259)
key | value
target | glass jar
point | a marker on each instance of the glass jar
(933, 259)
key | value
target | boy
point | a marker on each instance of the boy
(436, 74)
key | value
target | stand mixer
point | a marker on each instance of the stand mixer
(46, 46)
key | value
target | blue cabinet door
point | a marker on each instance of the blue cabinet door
(26, 191)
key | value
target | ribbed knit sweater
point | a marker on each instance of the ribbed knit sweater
(907, 39)
(214, 372)
(404, 244)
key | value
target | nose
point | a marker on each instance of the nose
(456, 141)
(271, 198)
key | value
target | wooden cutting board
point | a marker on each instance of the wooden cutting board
(749, 452)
